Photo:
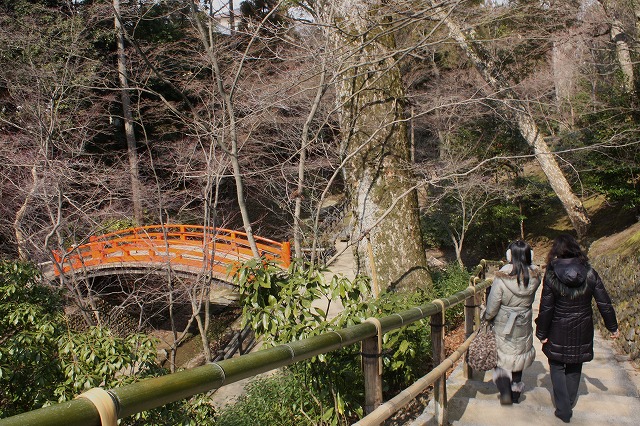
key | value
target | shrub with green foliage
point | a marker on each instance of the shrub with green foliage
(30, 326)
(447, 282)
(43, 361)
(328, 389)
(280, 399)
(281, 307)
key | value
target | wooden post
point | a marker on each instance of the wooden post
(371, 359)
(438, 348)
(470, 307)
(285, 254)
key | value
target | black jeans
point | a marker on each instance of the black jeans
(565, 379)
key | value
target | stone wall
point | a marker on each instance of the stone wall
(621, 277)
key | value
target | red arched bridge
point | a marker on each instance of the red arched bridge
(184, 249)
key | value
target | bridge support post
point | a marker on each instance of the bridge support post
(372, 370)
(438, 348)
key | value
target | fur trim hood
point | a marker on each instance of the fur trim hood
(511, 282)
(569, 276)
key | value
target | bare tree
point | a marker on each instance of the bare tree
(376, 148)
(463, 198)
(526, 124)
(620, 37)
(132, 151)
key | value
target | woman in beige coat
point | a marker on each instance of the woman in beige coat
(509, 307)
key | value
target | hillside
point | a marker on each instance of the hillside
(616, 258)
(625, 243)
(612, 229)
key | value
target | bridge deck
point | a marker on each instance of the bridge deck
(185, 249)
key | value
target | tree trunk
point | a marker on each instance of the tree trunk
(526, 124)
(230, 149)
(376, 143)
(297, 221)
(619, 37)
(232, 19)
(21, 241)
(132, 150)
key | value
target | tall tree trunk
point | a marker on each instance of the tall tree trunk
(132, 150)
(524, 120)
(621, 39)
(306, 129)
(376, 142)
(232, 19)
(230, 149)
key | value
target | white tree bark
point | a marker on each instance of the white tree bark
(619, 37)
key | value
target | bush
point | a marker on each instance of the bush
(278, 305)
(280, 399)
(447, 282)
(43, 361)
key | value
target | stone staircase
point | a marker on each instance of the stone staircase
(608, 395)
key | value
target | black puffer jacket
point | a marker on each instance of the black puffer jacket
(565, 316)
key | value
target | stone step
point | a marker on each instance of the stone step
(595, 379)
(536, 408)
(608, 394)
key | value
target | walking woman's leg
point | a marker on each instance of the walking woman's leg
(502, 379)
(560, 391)
(573, 373)
(517, 387)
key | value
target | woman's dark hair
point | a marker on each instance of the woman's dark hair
(564, 247)
(521, 260)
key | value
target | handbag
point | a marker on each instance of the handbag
(482, 354)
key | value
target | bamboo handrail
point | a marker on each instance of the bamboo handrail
(395, 404)
(158, 391)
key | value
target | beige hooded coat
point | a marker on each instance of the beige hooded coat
(509, 306)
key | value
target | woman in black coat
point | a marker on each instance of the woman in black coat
(565, 320)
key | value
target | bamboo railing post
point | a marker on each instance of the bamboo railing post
(372, 369)
(470, 307)
(438, 355)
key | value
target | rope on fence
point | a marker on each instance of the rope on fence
(442, 308)
(104, 403)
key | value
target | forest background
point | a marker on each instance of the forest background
(453, 126)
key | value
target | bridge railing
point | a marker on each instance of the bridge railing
(155, 392)
(192, 247)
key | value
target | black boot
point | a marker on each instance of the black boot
(516, 391)
(504, 386)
